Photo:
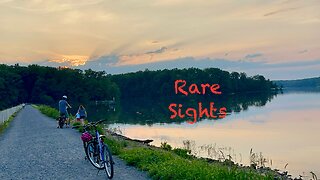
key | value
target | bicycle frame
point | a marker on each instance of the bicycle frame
(100, 146)
(97, 142)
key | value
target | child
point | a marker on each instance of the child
(78, 117)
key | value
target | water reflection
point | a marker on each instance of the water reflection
(285, 130)
(149, 111)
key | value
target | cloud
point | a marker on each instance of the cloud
(158, 51)
(303, 51)
(255, 55)
(280, 11)
(50, 6)
(161, 54)
(287, 70)
(145, 31)
(73, 60)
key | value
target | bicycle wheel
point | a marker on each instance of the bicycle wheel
(94, 155)
(108, 162)
(85, 145)
(61, 123)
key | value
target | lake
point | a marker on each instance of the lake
(279, 131)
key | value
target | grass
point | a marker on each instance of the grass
(164, 163)
(6, 123)
(47, 110)
(167, 163)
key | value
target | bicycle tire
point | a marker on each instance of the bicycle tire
(108, 162)
(85, 144)
(61, 123)
(94, 155)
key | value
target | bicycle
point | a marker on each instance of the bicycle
(61, 121)
(96, 150)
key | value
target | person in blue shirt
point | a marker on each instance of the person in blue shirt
(63, 108)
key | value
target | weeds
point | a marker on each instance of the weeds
(165, 146)
(165, 165)
(48, 111)
(6, 123)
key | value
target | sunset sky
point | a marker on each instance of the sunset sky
(276, 38)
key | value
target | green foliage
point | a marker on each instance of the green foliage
(48, 111)
(161, 83)
(115, 146)
(6, 123)
(166, 165)
(100, 129)
(166, 146)
(182, 152)
(76, 124)
(80, 129)
(46, 85)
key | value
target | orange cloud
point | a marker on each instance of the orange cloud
(72, 60)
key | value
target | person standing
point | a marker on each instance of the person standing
(63, 108)
(82, 113)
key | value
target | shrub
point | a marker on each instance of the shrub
(49, 111)
(166, 146)
(182, 152)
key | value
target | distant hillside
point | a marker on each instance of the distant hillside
(300, 83)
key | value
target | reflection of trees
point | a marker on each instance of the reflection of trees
(149, 111)
(241, 102)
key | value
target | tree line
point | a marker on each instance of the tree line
(46, 85)
(161, 83)
(311, 83)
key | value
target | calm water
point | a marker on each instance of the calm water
(284, 128)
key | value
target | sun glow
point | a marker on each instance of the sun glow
(72, 60)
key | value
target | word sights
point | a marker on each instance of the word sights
(177, 110)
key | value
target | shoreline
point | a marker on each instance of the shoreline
(183, 165)
(227, 162)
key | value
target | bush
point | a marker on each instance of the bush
(115, 146)
(166, 146)
(49, 111)
(76, 124)
(182, 152)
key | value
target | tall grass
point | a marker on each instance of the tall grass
(6, 123)
(47, 110)
(163, 164)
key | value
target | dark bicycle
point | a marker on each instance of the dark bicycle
(96, 150)
(61, 121)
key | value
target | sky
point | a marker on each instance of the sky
(279, 39)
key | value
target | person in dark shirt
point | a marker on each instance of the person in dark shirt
(63, 108)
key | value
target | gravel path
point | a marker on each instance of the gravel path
(33, 148)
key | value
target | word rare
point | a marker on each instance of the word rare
(193, 88)
(200, 112)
